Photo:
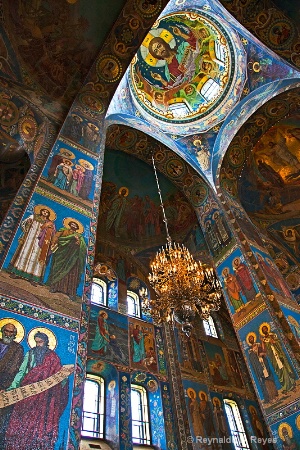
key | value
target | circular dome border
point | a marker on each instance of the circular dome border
(187, 39)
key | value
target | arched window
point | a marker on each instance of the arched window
(237, 429)
(210, 328)
(210, 90)
(140, 415)
(133, 304)
(93, 407)
(99, 292)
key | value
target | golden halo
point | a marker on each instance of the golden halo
(189, 391)
(202, 392)
(70, 219)
(225, 268)
(95, 126)
(105, 313)
(49, 333)
(298, 422)
(122, 189)
(264, 324)
(289, 429)
(292, 320)
(252, 409)
(251, 334)
(216, 401)
(236, 258)
(20, 328)
(37, 210)
(256, 66)
(86, 164)
(111, 384)
(67, 153)
(152, 385)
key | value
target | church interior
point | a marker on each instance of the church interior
(127, 128)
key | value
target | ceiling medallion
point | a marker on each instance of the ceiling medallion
(185, 71)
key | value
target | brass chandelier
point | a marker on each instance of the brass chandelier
(184, 287)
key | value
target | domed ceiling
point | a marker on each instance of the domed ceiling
(189, 68)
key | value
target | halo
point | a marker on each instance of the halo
(95, 126)
(111, 384)
(102, 311)
(70, 219)
(251, 334)
(216, 400)
(76, 115)
(298, 422)
(126, 189)
(152, 385)
(236, 258)
(66, 152)
(264, 324)
(289, 429)
(86, 164)
(38, 208)
(189, 391)
(202, 392)
(20, 328)
(144, 49)
(252, 409)
(49, 333)
(292, 320)
(225, 269)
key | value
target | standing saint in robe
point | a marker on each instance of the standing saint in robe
(34, 249)
(68, 260)
(271, 345)
(34, 422)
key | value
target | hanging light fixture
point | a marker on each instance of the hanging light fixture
(184, 287)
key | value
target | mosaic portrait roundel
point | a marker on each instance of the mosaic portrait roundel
(184, 68)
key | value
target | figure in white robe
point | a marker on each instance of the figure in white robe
(34, 249)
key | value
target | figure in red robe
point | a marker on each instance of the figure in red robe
(34, 421)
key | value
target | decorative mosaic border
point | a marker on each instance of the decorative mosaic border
(20, 307)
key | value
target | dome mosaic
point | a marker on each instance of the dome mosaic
(185, 70)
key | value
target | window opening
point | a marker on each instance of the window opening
(99, 292)
(93, 407)
(133, 304)
(210, 328)
(237, 429)
(140, 415)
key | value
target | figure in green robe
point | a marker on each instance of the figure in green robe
(69, 254)
(278, 359)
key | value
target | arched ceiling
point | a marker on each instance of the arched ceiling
(130, 218)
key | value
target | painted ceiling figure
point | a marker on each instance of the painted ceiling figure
(161, 50)
(117, 208)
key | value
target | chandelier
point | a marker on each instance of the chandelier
(184, 287)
